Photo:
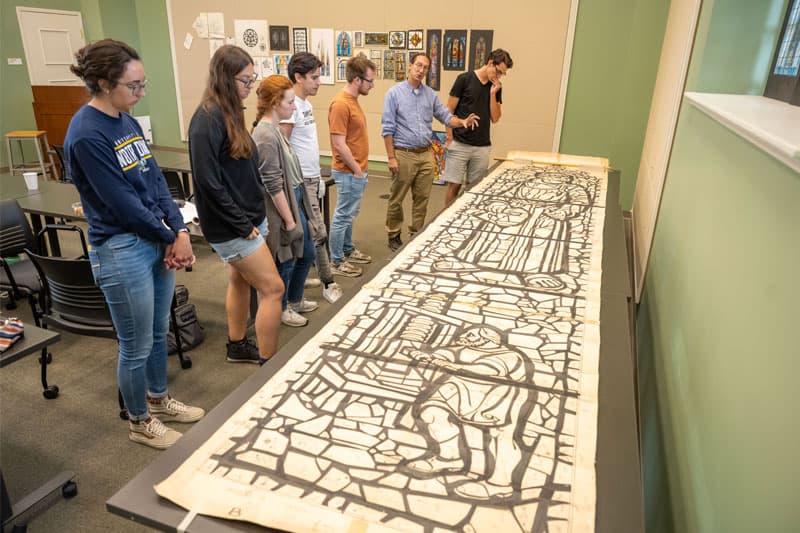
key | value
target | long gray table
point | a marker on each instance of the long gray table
(619, 496)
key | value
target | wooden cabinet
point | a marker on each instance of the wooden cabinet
(53, 107)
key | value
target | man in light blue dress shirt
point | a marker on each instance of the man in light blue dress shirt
(407, 129)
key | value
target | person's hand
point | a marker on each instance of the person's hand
(471, 121)
(179, 254)
(447, 142)
(361, 175)
(496, 86)
(290, 235)
(253, 234)
(394, 166)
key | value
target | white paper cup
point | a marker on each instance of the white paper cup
(31, 180)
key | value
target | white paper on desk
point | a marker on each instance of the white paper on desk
(189, 213)
(200, 25)
(187, 41)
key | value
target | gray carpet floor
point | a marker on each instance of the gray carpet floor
(81, 430)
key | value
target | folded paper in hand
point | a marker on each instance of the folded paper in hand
(189, 213)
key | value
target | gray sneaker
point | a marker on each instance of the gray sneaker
(152, 432)
(171, 410)
(345, 268)
(292, 318)
(304, 306)
(357, 256)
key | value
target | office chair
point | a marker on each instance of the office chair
(59, 151)
(175, 185)
(72, 302)
(18, 277)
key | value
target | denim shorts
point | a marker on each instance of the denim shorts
(239, 248)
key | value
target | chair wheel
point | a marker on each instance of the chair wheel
(123, 414)
(69, 489)
(186, 363)
(49, 358)
(51, 392)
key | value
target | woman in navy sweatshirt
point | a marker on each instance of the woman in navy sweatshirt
(136, 231)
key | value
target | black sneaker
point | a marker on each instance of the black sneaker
(395, 243)
(243, 351)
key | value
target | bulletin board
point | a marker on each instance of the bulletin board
(537, 34)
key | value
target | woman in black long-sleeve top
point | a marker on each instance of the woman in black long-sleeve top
(230, 203)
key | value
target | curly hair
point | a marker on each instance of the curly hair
(102, 60)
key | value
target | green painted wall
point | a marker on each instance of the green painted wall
(716, 334)
(16, 103)
(614, 63)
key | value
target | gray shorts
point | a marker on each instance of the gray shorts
(465, 159)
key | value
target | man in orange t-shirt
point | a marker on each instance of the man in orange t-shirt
(348, 128)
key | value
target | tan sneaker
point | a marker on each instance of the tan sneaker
(345, 268)
(357, 256)
(171, 410)
(312, 283)
(152, 432)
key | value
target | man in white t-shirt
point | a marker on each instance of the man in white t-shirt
(301, 130)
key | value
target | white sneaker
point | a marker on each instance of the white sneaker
(152, 433)
(332, 292)
(304, 306)
(312, 283)
(171, 410)
(292, 318)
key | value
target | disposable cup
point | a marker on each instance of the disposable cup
(31, 180)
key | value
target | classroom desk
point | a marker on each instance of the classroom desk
(619, 505)
(176, 159)
(34, 341)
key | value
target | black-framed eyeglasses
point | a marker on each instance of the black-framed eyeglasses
(372, 81)
(248, 82)
(136, 86)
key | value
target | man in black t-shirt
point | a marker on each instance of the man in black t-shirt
(468, 149)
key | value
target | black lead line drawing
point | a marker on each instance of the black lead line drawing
(456, 391)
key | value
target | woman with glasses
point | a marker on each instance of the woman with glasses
(230, 203)
(288, 202)
(136, 231)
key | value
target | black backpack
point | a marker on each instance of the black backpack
(191, 332)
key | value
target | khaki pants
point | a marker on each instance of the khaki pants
(416, 173)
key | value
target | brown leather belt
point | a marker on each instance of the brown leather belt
(420, 150)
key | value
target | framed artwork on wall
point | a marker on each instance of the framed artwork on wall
(279, 38)
(434, 50)
(455, 50)
(397, 40)
(414, 40)
(322, 47)
(344, 43)
(480, 45)
(300, 40)
(358, 39)
(376, 38)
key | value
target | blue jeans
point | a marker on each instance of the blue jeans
(349, 191)
(295, 271)
(138, 288)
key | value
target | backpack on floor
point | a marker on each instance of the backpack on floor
(191, 332)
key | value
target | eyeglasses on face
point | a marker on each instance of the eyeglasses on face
(248, 82)
(136, 86)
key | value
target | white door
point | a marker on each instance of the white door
(50, 39)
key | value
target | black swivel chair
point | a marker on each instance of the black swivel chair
(175, 185)
(59, 151)
(18, 278)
